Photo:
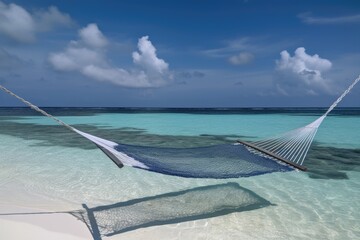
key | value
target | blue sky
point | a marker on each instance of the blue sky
(180, 53)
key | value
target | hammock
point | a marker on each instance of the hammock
(282, 153)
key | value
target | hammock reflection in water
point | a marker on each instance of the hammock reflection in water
(176, 207)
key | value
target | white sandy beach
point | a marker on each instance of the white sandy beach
(60, 226)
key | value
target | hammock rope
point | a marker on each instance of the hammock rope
(295, 144)
(281, 153)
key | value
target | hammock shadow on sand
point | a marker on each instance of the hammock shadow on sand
(175, 207)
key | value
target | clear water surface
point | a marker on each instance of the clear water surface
(46, 167)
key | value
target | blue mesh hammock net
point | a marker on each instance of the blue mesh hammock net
(219, 161)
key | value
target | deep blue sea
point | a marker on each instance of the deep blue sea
(44, 166)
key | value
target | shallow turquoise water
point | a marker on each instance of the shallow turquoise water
(44, 166)
(335, 130)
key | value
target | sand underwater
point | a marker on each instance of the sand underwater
(46, 168)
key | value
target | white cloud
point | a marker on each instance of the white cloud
(241, 58)
(303, 70)
(88, 50)
(306, 18)
(75, 58)
(146, 57)
(17, 24)
(87, 56)
(92, 36)
(50, 18)
(118, 76)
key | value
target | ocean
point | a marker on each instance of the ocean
(46, 167)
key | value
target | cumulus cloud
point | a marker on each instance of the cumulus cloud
(87, 56)
(119, 76)
(146, 57)
(92, 36)
(18, 24)
(75, 58)
(50, 18)
(303, 70)
(241, 58)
